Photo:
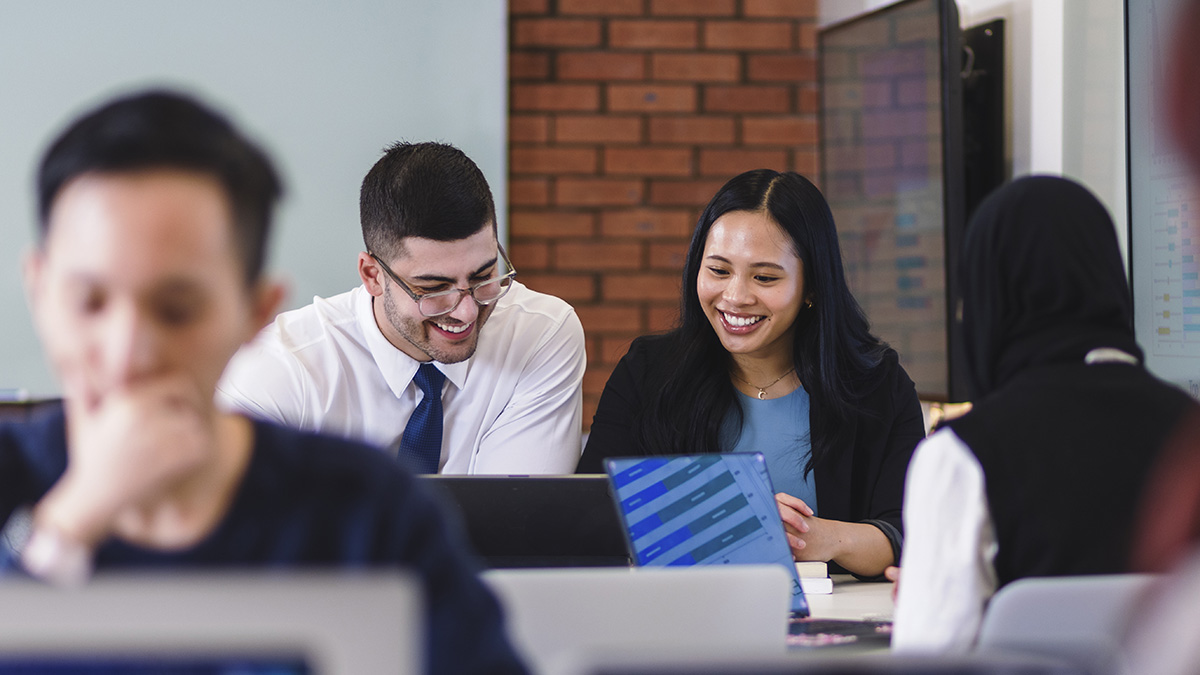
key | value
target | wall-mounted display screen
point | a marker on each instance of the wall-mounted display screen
(892, 170)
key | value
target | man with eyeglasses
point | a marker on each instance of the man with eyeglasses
(404, 361)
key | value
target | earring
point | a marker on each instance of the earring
(808, 304)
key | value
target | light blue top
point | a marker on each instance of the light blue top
(779, 429)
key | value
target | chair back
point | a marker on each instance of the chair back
(1077, 617)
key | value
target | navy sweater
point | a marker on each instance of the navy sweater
(307, 501)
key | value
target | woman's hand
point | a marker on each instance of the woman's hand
(858, 547)
(798, 520)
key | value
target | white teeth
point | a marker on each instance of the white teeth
(457, 328)
(741, 321)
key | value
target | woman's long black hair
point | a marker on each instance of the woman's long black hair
(834, 351)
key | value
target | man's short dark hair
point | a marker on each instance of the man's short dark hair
(166, 130)
(428, 190)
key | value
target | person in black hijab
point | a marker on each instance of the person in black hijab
(1043, 476)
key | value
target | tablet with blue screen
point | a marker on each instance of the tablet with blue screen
(702, 510)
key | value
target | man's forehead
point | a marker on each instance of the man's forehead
(420, 251)
(177, 218)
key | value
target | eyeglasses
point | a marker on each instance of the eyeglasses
(443, 302)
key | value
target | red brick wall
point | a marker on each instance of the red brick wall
(625, 118)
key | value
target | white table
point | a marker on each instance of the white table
(853, 599)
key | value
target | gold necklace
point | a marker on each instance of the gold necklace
(762, 391)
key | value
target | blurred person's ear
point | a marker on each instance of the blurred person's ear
(267, 298)
(1169, 516)
(31, 273)
(1182, 97)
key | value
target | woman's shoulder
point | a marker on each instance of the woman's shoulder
(654, 343)
(650, 351)
(887, 377)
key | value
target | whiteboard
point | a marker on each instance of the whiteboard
(1164, 228)
(323, 86)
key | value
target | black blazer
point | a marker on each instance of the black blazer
(862, 482)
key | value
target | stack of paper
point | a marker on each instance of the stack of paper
(814, 578)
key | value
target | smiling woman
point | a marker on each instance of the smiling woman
(773, 355)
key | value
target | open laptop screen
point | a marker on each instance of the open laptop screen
(702, 510)
(150, 665)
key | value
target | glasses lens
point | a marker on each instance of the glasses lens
(436, 304)
(492, 289)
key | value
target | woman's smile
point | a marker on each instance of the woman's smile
(751, 285)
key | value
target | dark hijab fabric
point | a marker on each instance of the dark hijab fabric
(1043, 282)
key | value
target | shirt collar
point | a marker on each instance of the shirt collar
(397, 367)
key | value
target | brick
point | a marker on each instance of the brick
(550, 224)
(523, 160)
(528, 191)
(555, 97)
(662, 317)
(528, 128)
(776, 131)
(694, 193)
(597, 192)
(649, 34)
(601, 7)
(806, 38)
(598, 129)
(808, 99)
(591, 345)
(729, 163)
(649, 286)
(609, 318)
(528, 6)
(613, 347)
(692, 130)
(748, 35)
(696, 67)
(786, 9)
(651, 98)
(668, 256)
(530, 255)
(569, 287)
(807, 163)
(747, 99)
(556, 33)
(647, 223)
(648, 161)
(601, 66)
(597, 255)
(528, 66)
(693, 7)
(781, 68)
(594, 378)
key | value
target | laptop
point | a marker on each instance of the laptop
(537, 521)
(554, 615)
(160, 622)
(717, 510)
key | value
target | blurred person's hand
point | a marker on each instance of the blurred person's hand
(126, 449)
(892, 573)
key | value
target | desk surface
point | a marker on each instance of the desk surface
(853, 599)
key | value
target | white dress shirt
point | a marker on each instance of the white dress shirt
(947, 570)
(514, 407)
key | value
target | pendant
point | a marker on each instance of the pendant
(762, 394)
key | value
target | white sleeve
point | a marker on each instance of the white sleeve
(539, 430)
(265, 382)
(947, 571)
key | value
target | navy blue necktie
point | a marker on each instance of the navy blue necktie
(421, 444)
